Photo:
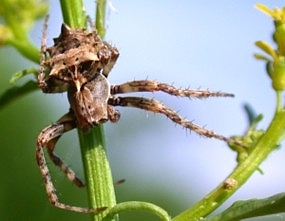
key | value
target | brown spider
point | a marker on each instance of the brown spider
(79, 62)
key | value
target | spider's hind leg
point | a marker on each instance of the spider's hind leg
(70, 174)
(48, 138)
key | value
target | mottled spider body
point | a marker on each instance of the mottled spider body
(75, 52)
(79, 63)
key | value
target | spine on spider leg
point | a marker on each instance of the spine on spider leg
(193, 93)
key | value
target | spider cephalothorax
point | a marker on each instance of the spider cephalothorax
(79, 62)
(75, 52)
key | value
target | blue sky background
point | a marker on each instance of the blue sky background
(201, 44)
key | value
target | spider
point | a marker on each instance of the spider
(79, 63)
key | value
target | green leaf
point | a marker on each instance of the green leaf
(15, 92)
(15, 77)
(5, 34)
(18, 16)
(252, 208)
(27, 12)
(250, 113)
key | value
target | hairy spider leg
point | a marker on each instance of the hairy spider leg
(157, 107)
(48, 137)
(41, 76)
(152, 86)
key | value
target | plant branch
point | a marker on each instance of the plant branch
(100, 17)
(267, 143)
(26, 48)
(135, 206)
(99, 181)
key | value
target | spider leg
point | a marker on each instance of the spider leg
(41, 76)
(70, 174)
(48, 137)
(152, 86)
(157, 107)
(109, 56)
(113, 115)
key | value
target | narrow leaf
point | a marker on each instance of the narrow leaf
(22, 73)
(252, 208)
(17, 91)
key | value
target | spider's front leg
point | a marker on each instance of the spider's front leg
(152, 86)
(47, 83)
(42, 76)
(48, 138)
(108, 57)
(157, 107)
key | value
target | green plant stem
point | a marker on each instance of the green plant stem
(100, 17)
(27, 49)
(73, 13)
(267, 143)
(136, 205)
(97, 170)
(279, 101)
(98, 175)
(18, 25)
